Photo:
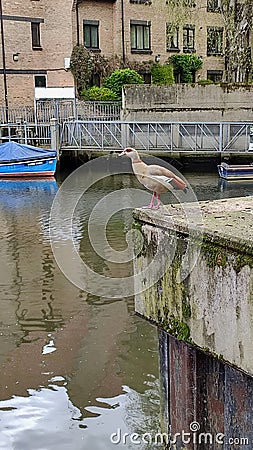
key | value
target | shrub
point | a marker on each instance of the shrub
(119, 78)
(162, 74)
(96, 93)
(205, 82)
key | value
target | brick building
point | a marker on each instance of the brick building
(141, 30)
(38, 37)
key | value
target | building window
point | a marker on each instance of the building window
(189, 39)
(35, 28)
(140, 36)
(213, 5)
(90, 33)
(214, 41)
(171, 38)
(40, 81)
(215, 75)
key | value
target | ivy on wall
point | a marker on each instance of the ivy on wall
(89, 69)
(87, 66)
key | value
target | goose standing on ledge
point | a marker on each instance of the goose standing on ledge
(156, 178)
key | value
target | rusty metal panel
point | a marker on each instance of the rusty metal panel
(238, 416)
(209, 403)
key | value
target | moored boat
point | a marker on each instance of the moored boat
(20, 160)
(235, 171)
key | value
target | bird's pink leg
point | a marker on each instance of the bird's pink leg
(151, 205)
(158, 201)
(157, 196)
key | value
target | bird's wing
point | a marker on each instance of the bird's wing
(154, 169)
(165, 177)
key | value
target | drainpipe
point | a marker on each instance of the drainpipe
(123, 31)
(4, 64)
(77, 24)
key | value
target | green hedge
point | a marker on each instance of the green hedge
(119, 78)
(162, 74)
(98, 93)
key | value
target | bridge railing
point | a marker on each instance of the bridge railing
(114, 135)
(157, 136)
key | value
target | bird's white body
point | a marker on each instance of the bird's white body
(156, 178)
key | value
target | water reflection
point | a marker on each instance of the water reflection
(211, 187)
(66, 358)
(74, 367)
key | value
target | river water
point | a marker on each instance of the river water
(78, 370)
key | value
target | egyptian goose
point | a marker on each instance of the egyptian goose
(156, 178)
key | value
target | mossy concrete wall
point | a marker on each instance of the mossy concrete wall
(188, 103)
(212, 307)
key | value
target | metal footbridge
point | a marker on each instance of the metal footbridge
(162, 137)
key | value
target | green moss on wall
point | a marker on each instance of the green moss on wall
(242, 261)
(177, 328)
(214, 255)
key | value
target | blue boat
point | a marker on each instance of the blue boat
(20, 160)
(235, 172)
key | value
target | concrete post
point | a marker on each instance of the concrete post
(55, 138)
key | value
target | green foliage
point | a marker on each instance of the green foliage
(81, 67)
(96, 93)
(119, 78)
(205, 82)
(186, 66)
(162, 74)
(86, 66)
(90, 69)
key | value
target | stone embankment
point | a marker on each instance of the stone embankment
(205, 294)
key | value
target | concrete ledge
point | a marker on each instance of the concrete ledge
(228, 222)
(212, 307)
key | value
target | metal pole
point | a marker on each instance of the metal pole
(77, 24)
(4, 65)
(123, 31)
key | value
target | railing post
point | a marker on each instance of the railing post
(125, 140)
(55, 138)
(221, 138)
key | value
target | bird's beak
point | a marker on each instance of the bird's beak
(122, 153)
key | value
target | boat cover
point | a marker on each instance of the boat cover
(13, 151)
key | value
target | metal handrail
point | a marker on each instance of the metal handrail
(157, 136)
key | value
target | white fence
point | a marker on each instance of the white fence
(44, 110)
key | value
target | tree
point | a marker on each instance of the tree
(91, 69)
(237, 17)
(185, 66)
(237, 20)
(179, 11)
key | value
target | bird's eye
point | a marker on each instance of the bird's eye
(128, 150)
